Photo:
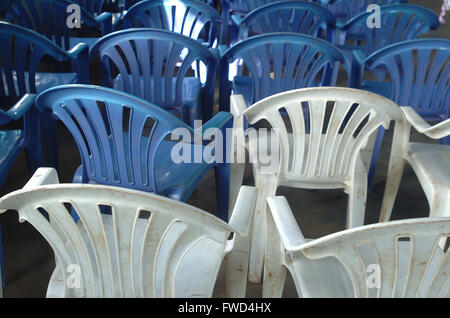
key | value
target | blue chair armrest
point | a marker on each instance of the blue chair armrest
(19, 109)
(80, 53)
(236, 19)
(105, 20)
(222, 49)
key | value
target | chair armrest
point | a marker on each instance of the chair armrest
(237, 20)
(104, 16)
(20, 108)
(105, 20)
(42, 176)
(77, 50)
(359, 56)
(222, 49)
(287, 226)
(243, 210)
(437, 131)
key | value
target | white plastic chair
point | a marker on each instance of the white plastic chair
(430, 162)
(149, 246)
(332, 154)
(393, 259)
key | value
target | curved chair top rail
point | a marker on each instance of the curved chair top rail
(188, 17)
(331, 52)
(420, 72)
(330, 149)
(150, 246)
(118, 135)
(382, 240)
(326, 15)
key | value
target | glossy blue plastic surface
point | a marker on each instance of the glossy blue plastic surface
(276, 62)
(49, 18)
(288, 16)
(191, 18)
(399, 22)
(156, 65)
(22, 54)
(125, 141)
(419, 75)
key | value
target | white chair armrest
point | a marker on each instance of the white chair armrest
(42, 176)
(437, 131)
(287, 226)
(243, 210)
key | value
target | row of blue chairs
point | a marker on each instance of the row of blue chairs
(181, 74)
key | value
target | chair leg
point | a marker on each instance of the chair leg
(222, 172)
(376, 152)
(33, 140)
(265, 187)
(237, 171)
(357, 197)
(394, 176)
(274, 269)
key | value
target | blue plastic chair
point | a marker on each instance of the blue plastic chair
(191, 18)
(123, 141)
(276, 62)
(419, 72)
(344, 10)
(399, 22)
(155, 65)
(287, 16)
(49, 18)
(24, 53)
